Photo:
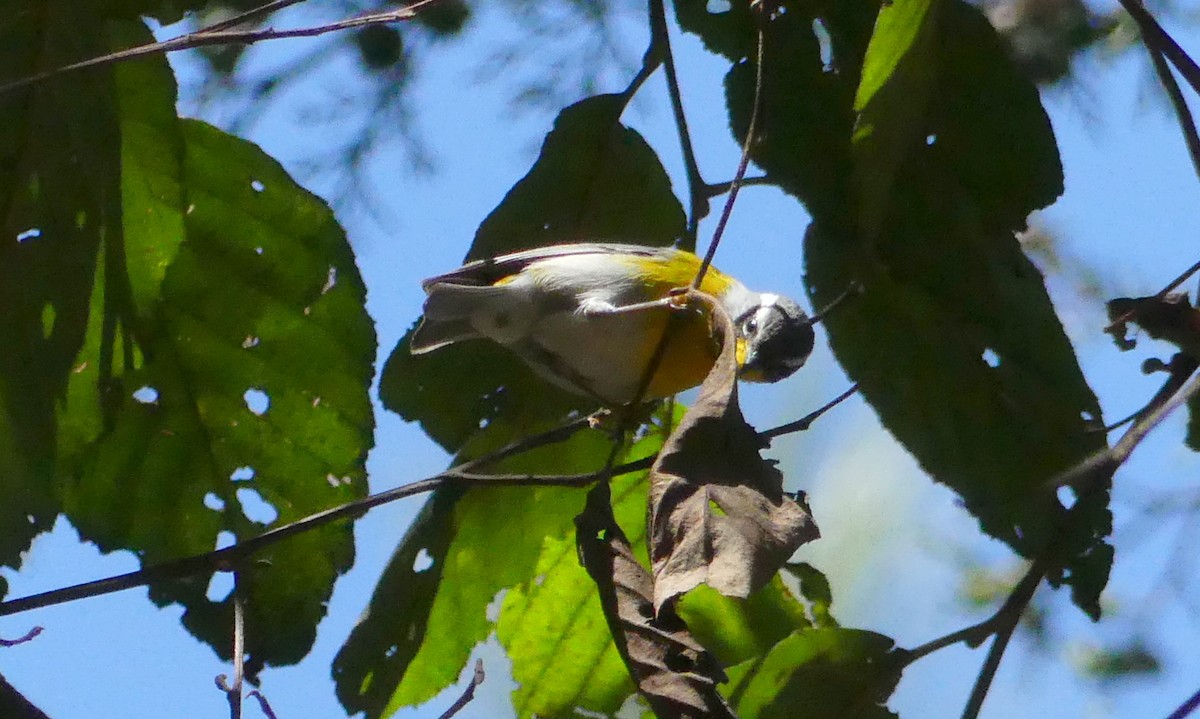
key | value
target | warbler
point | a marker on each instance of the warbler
(589, 318)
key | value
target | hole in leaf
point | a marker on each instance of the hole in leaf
(931, 139)
(258, 250)
(213, 502)
(330, 280)
(391, 651)
(1067, 495)
(316, 402)
(990, 356)
(257, 185)
(1087, 416)
(423, 561)
(146, 395)
(335, 481)
(255, 507)
(718, 7)
(48, 316)
(219, 587)
(492, 611)
(250, 341)
(824, 41)
(226, 539)
(31, 234)
(190, 209)
(257, 401)
(242, 474)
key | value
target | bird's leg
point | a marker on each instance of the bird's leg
(601, 308)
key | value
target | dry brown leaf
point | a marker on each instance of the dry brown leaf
(673, 672)
(718, 512)
(1171, 318)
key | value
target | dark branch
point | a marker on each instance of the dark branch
(468, 693)
(218, 35)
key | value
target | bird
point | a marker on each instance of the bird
(589, 316)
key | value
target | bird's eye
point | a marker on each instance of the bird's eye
(750, 326)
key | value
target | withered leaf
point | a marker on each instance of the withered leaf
(718, 512)
(676, 675)
(1171, 318)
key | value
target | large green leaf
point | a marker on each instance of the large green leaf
(403, 653)
(245, 382)
(59, 197)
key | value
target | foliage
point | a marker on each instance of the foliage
(189, 343)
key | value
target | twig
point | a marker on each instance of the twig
(29, 637)
(1183, 114)
(234, 692)
(806, 421)
(1086, 477)
(698, 196)
(226, 559)
(468, 693)
(742, 164)
(263, 704)
(217, 35)
(1152, 32)
(720, 188)
(1103, 464)
(1187, 707)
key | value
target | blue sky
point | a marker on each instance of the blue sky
(893, 542)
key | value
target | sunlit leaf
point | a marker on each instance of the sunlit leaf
(241, 401)
(826, 673)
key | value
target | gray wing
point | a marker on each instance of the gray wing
(486, 272)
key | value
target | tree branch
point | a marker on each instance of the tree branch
(219, 35)
(468, 693)
(698, 196)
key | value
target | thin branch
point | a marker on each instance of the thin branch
(263, 704)
(742, 164)
(720, 188)
(1154, 33)
(230, 557)
(234, 692)
(698, 197)
(806, 421)
(468, 693)
(1086, 477)
(1187, 707)
(1183, 114)
(29, 637)
(1006, 620)
(1102, 465)
(216, 35)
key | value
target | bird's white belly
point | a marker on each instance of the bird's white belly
(603, 353)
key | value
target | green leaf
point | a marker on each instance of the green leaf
(898, 75)
(805, 120)
(403, 653)
(736, 629)
(59, 190)
(243, 371)
(1192, 438)
(594, 180)
(989, 125)
(948, 304)
(825, 673)
(730, 32)
(553, 627)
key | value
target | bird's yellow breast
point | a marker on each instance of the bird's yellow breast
(691, 349)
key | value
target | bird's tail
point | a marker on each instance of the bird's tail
(449, 310)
